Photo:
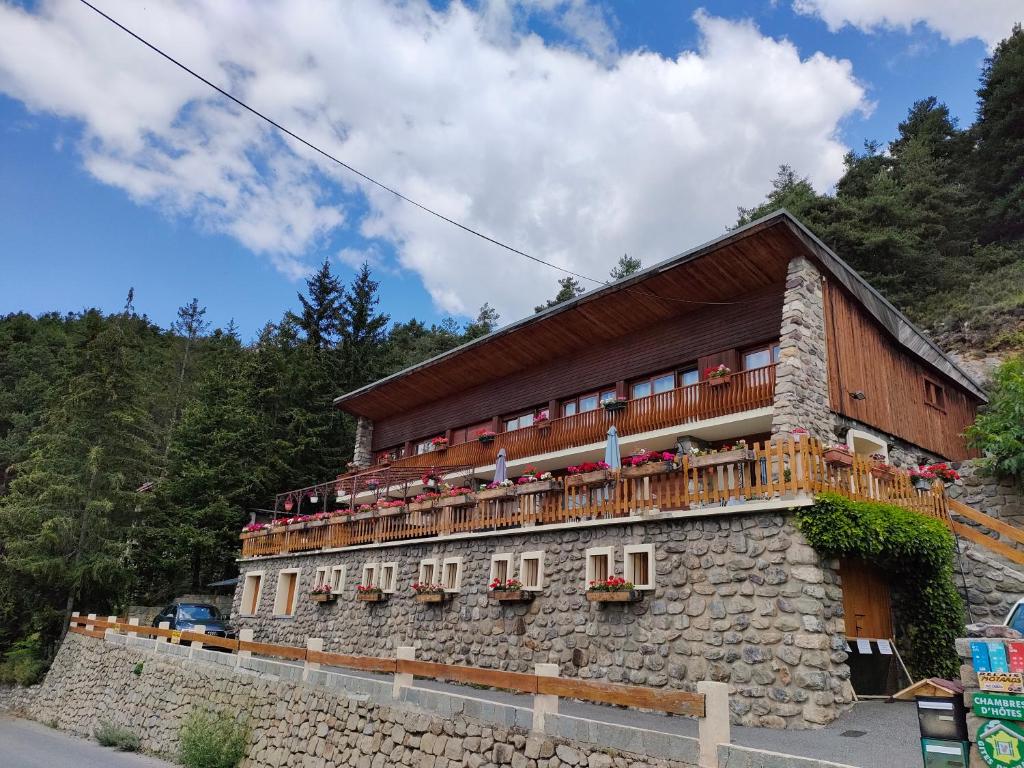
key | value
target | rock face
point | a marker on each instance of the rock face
(291, 724)
(740, 599)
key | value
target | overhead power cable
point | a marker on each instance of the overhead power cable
(366, 177)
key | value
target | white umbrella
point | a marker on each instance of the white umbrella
(611, 451)
(500, 472)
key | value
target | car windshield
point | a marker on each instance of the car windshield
(198, 612)
(1017, 619)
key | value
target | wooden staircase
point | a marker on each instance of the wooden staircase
(997, 546)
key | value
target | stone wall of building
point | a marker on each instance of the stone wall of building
(738, 598)
(1000, 498)
(801, 377)
(362, 452)
(291, 723)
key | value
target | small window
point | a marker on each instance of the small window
(600, 564)
(569, 408)
(429, 571)
(759, 358)
(641, 389)
(371, 575)
(588, 403)
(337, 581)
(639, 565)
(689, 376)
(251, 593)
(451, 574)
(518, 422)
(389, 577)
(287, 586)
(934, 395)
(322, 576)
(531, 570)
(501, 567)
(663, 382)
(423, 446)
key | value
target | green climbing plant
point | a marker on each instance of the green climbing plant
(916, 552)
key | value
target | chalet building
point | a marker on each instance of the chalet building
(743, 362)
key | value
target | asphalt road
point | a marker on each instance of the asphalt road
(25, 744)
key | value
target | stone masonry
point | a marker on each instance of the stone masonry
(801, 377)
(739, 599)
(362, 454)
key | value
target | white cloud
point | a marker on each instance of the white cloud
(956, 20)
(576, 154)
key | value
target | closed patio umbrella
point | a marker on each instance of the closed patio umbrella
(500, 472)
(611, 451)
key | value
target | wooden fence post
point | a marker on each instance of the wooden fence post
(196, 645)
(312, 644)
(402, 679)
(713, 728)
(133, 622)
(544, 703)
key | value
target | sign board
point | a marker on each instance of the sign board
(1001, 744)
(1004, 706)
(176, 636)
(1001, 682)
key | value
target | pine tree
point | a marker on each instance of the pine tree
(568, 288)
(190, 325)
(626, 266)
(321, 319)
(362, 331)
(486, 321)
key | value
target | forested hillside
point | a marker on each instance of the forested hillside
(935, 219)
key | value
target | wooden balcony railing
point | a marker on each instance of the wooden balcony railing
(745, 391)
(778, 470)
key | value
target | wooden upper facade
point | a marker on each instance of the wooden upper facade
(658, 331)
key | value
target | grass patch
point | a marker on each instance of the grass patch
(212, 740)
(117, 736)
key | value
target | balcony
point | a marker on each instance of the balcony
(744, 391)
(770, 475)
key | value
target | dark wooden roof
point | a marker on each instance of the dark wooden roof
(723, 270)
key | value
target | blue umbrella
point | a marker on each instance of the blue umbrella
(611, 451)
(500, 472)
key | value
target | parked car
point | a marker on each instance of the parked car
(186, 616)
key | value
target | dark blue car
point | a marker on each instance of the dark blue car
(186, 616)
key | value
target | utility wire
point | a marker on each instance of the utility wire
(367, 177)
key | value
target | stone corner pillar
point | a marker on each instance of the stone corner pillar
(801, 376)
(362, 453)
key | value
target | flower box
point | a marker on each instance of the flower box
(486, 439)
(462, 500)
(598, 477)
(614, 405)
(922, 483)
(421, 506)
(489, 494)
(619, 596)
(432, 597)
(510, 595)
(322, 597)
(371, 597)
(649, 469)
(719, 381)
(540, 486)
(837, 458)
(722, 457)
(883, 471)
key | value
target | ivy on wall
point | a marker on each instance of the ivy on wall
(916, 553)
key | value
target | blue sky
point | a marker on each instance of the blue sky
(90, 204)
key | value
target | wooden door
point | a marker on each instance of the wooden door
(290, 604)
(866, 600)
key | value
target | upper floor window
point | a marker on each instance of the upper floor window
(466, 434)
(689, 376)
(934, 395)
(759, 358)
(654, 385)
(423, 446)
(520, 421)
(588, 402)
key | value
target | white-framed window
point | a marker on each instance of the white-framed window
(600, 564)
(451, 574)
(501, 566)
(337, 581)
(371, 575)
(863, 443)
(322, 576)
(251, 591)
(389, 577)
(430, 571)
(638, 565)
(531, 570)
(286, 598)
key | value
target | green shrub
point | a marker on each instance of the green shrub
(999, 429)
(23, 664)
(137, 669)
(212, 740)
(916, 552)
(112, 735)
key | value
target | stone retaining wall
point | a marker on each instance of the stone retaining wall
(740, 599)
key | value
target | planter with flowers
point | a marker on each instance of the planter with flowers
(429, 593)
(439, 443)
(372, 483)
(491, 491)
(423, 502)
(614, 589)
(430, 479)
(718, 375)
(456, 497)
(730, 453)
(588, 473)
(838, 455)
(389, 507)
(542, 422)
(322, 593)
(486, 436)
(922, 478)
(368, 594)
(945, 473)
(509, 591)
(647, 463)
(613, 404)
(880, 468)
(534, 481)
